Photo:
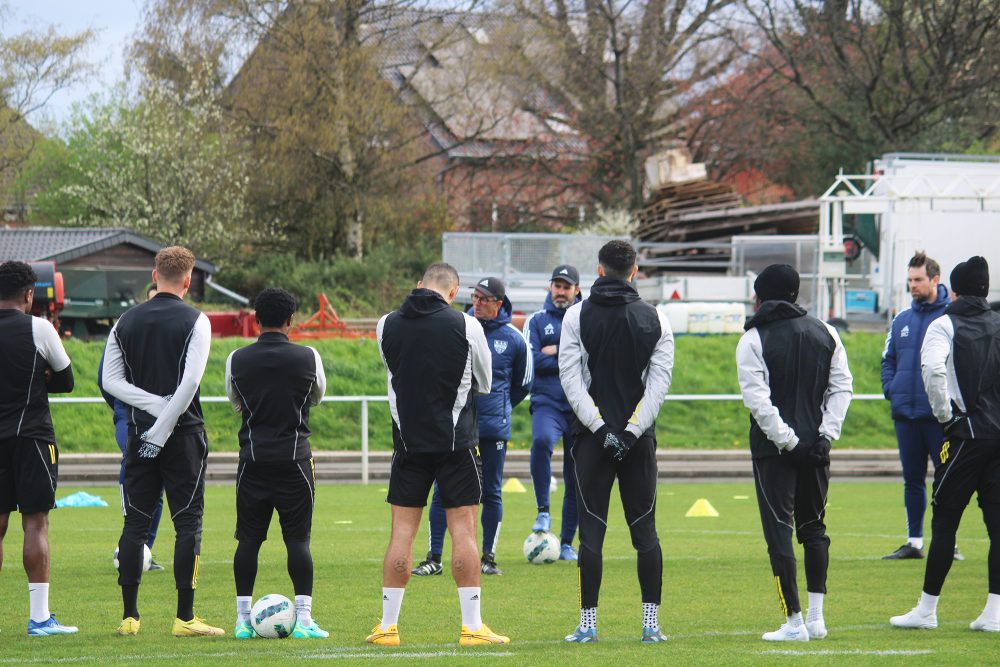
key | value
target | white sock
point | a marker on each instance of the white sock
(928, 603)
(795, 620)
(392, 600)
(303, 609)
(38, 594)
(651, 615)
(815, 607)
(243, 605)
(915, 542)
(992, 608)
(468, 598)
(588, 618)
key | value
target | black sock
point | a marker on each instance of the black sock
(435, 557)
(185, 603)
(130, 601)
(300, 567)
(543, 508)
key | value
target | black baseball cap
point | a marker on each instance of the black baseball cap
(566, 272)
(491, 287)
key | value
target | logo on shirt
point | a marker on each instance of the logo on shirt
(549, 329)
(905, 332)
(500, 346)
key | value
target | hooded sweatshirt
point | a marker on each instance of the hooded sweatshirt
(616, 357)
(436, 359)
(794, 377)
(960, 364)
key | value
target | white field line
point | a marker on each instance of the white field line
(856, 651)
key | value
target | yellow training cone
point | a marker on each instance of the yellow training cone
(513, 485)
(701, 507)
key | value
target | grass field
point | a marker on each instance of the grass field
(718, 592)
(704, 365)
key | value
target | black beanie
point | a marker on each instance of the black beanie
(971, 277)
(778, 282)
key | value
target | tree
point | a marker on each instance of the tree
(335, 140)
(166, 167)
(835, 83)
(620, 72)
(34, 66)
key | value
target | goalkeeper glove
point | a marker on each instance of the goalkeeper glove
(819, 454)
(147, 449)
(627, 440)
(957, 417)
(610, 443)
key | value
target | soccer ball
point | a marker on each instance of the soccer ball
(273, 616)
(147, 558)
(541, 548)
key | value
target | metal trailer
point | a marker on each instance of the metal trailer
(947, 205)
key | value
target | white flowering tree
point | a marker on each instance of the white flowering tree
(164, 165)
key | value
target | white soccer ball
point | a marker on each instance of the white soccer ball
(147, 558)
(541, 548)
(273, 616)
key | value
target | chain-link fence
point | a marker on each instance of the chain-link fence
(521, 259)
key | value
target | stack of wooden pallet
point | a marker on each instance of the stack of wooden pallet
(708, 215)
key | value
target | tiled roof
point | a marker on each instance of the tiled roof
(61, 244)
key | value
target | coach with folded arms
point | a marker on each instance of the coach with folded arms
(960, 365)
(793, 374)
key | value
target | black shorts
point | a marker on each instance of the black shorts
(179, 471)
(459, 476)
(28, 472)
(967, 467)
(261, 488)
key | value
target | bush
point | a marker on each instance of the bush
(367, 288)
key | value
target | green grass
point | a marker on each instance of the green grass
(704, 365)
(718, 590)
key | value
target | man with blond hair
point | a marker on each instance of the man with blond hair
(154, 360)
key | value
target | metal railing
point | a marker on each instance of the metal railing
(365, 400)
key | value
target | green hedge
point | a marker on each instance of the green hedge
(703, 365)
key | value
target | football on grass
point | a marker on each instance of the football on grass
(541, 548)
(147, 558)
(273, 616)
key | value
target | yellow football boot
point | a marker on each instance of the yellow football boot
(129, 627)
(196, 627)
(384, 637)
(481, 637)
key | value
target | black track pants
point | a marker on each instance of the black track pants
(180, 470)
(792, 496)
(967, 467)
(595, 474)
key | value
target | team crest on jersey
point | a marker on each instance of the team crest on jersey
(905, 332)
(549, 329)
(500, 346)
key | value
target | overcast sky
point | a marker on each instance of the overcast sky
(115, 21)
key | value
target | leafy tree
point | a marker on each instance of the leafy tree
(165, 166)
(34, 65)
(834, 83)
(620, 72)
